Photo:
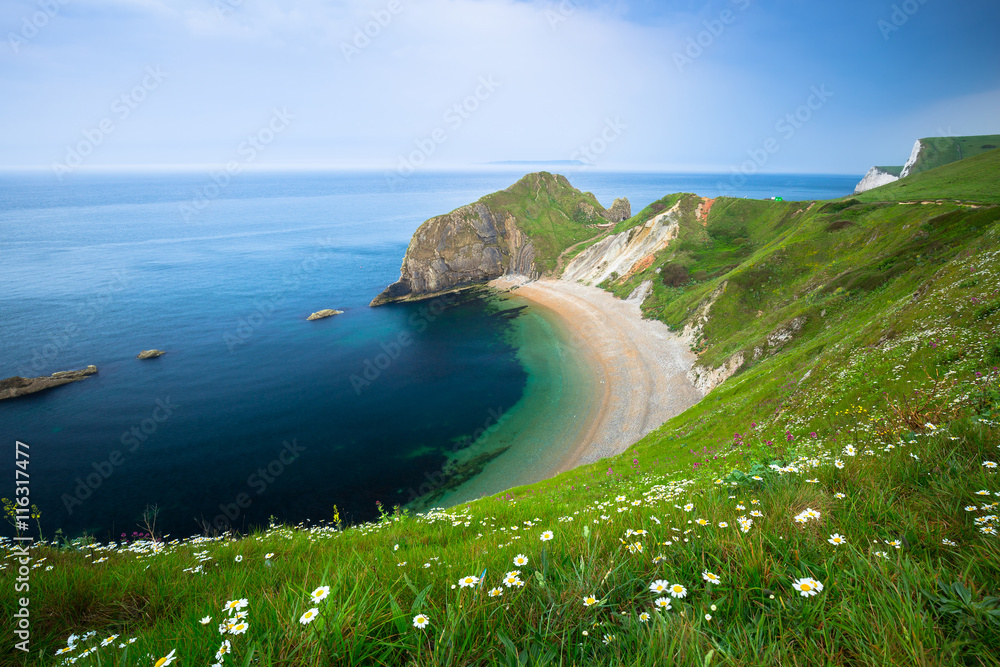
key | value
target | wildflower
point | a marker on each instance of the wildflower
(268, 556)
(836, 539)
(948, 543)
(589, 600)
(850, 451)
(713, 607)
(659, 559)
(206, 620)
(982, 492)
(688, 507)
(511, 579)
(989, 464)
(520, 559)
(894, 543)
(723, 524)
(708, 617)
(662, 603)
(65, 649)
(608, 639)
(971, 508)
(235, 605)
(839, 496)
(496, 592)
(807, 586)
(309, 616)
(239, 558)
(239, 628)
(711, 577)
(165, 660)
(701, 522)
(839, 464)
(468, 582)
(420, 621)
(320, 593)
(109, 640)
(223, 650)
(678, 591)
(546, 536)
(658, 586)
(644, 617)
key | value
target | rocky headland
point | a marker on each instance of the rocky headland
(13, 387)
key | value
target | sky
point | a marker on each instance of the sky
(785, 86)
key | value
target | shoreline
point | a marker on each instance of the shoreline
(640, 364)
(609, 376)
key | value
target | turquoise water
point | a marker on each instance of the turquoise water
(253, 411)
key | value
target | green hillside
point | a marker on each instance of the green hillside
(971, 180)
(939, 151)
(834, 502)
(550, 211)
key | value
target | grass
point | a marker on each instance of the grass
(878, 418)
(970, 180)
(939, 151)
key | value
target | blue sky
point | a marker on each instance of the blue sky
(794, 86)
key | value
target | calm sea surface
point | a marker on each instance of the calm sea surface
(254, 412)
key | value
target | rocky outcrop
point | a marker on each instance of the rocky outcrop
(620, 254)
(469, 245)
(706, 379)
(16, 386)
(150, 354)
(620, 210)
(877, 177)
(321, 314)
(486, 240)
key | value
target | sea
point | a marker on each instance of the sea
(255, 414)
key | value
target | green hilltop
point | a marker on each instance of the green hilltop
(938, 151)
(833, 502)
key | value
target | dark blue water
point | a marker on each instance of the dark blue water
(253, 411)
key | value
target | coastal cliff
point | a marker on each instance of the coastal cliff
(929, 153)
(518, 231)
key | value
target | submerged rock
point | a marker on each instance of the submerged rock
(320, 314)
(16, 386)
(150, 354)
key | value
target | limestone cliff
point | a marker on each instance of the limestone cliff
(520, 230)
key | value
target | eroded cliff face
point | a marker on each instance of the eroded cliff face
(520, 231)
(625, 252)
(471, 244)
(876, 177)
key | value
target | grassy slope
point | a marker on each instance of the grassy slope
(973, 179)
(939, 151)
(548, 209)
(897, 298)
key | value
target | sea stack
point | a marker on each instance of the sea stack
(150, 354)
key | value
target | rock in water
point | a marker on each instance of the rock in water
(150, 354)
(16, 386)
(320, 314)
